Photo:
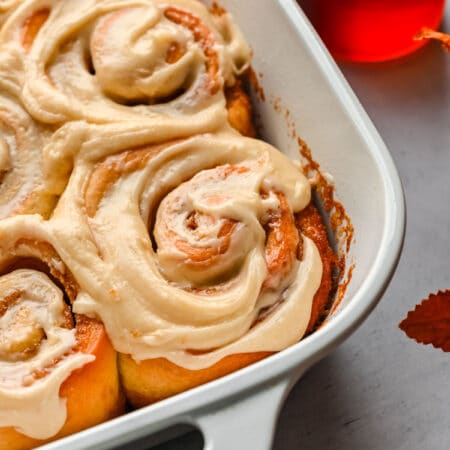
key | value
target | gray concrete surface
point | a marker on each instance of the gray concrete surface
(381, 390)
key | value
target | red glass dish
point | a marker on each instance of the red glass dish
(372, 30)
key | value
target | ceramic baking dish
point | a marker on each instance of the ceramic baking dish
(239, 411)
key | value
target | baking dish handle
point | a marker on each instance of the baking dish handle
(246, 422)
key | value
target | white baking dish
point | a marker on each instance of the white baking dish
(239, 411)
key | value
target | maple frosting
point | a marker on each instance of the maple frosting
(36, 339)
(165, 286)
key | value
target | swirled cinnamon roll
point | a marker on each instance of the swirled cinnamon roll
(193, 255)
(145, 60)
(58, 371)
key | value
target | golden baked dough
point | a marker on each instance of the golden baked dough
(240, 113)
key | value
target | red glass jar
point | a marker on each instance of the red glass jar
(372, 30)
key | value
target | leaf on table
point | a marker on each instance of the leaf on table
(429, 322)
(427, 33)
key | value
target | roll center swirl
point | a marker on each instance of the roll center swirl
(200, 233)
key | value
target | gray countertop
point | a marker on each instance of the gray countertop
(380, 390)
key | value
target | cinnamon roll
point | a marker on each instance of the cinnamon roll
(195, 255)
(144, 60)
(58, 371)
